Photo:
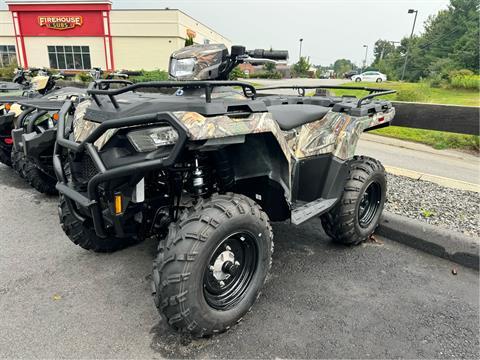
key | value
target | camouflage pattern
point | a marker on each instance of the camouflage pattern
(82, 127)
(335, 133)
(208, 59)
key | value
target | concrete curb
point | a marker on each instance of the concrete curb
(436, 241)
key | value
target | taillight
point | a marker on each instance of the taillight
(8, 141)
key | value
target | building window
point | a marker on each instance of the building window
(8, 55)
(69, 57)
(206, 41)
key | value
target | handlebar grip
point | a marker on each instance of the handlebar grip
(269, 54)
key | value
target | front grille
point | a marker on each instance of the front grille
(87, 168)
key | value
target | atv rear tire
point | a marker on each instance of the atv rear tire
(355, 217)
(18, 162)
(5, 157)
(211, 266)
(84, 235)
(38, 179)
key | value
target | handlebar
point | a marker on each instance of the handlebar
(268, 54)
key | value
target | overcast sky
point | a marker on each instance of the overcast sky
(330, 29)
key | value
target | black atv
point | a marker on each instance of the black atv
(206, 171)
(35, 130)
(43, 83)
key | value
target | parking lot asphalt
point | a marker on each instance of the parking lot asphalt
(377, 300)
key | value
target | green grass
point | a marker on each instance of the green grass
(422, 92)
(436, 139)
(418, 92)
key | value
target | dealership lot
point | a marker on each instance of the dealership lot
(373, 301)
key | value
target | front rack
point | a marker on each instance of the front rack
(248, 90)
(373, 92)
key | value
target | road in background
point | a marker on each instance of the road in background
(378, 300)
(422, 158)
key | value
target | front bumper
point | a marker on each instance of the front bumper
(90, 200)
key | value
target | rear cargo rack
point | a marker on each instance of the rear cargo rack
(373, 92)
(248, 89)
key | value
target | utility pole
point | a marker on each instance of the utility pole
(410, 11)
(300, 53)
(365, 60)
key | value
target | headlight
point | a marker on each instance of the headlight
(182, 67)
(153, 138)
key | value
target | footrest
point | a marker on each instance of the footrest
(310, 210)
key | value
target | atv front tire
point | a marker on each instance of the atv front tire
(18, 162)
(83, 235)
(210, 268)
(38, 179)
(356, 216)
(5, 157)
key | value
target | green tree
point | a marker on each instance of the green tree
(341, 66)
(270, 67)
(449, 41)
(382, 50)
(301, 68)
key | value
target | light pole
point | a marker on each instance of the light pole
(300, 53)
(365, 60)
(410, 11)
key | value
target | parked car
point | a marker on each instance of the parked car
(349, 74)
(370, 76)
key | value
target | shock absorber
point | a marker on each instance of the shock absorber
(199, 182)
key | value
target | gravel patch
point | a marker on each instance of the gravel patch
(457, 210)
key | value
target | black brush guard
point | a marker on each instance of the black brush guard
(90, 199)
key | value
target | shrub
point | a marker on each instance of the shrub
(237, 73)
(267, 75)
(470, 82)
(83, 77)
(154, 75)
(461, 72)
(8, 71)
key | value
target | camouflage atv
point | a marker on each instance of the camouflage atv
(35, 130)
(206, 172)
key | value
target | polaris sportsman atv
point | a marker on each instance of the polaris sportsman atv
(206, 171)
(40, 85)
(35, 131)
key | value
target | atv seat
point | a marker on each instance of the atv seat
(290, 116)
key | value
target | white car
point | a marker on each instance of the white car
(370, 76)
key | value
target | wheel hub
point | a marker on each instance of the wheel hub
(225, 265)
(230, 270)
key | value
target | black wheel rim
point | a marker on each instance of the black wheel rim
(369, 204)
(230, 270)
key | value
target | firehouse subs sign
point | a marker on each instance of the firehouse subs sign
(60, 22)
